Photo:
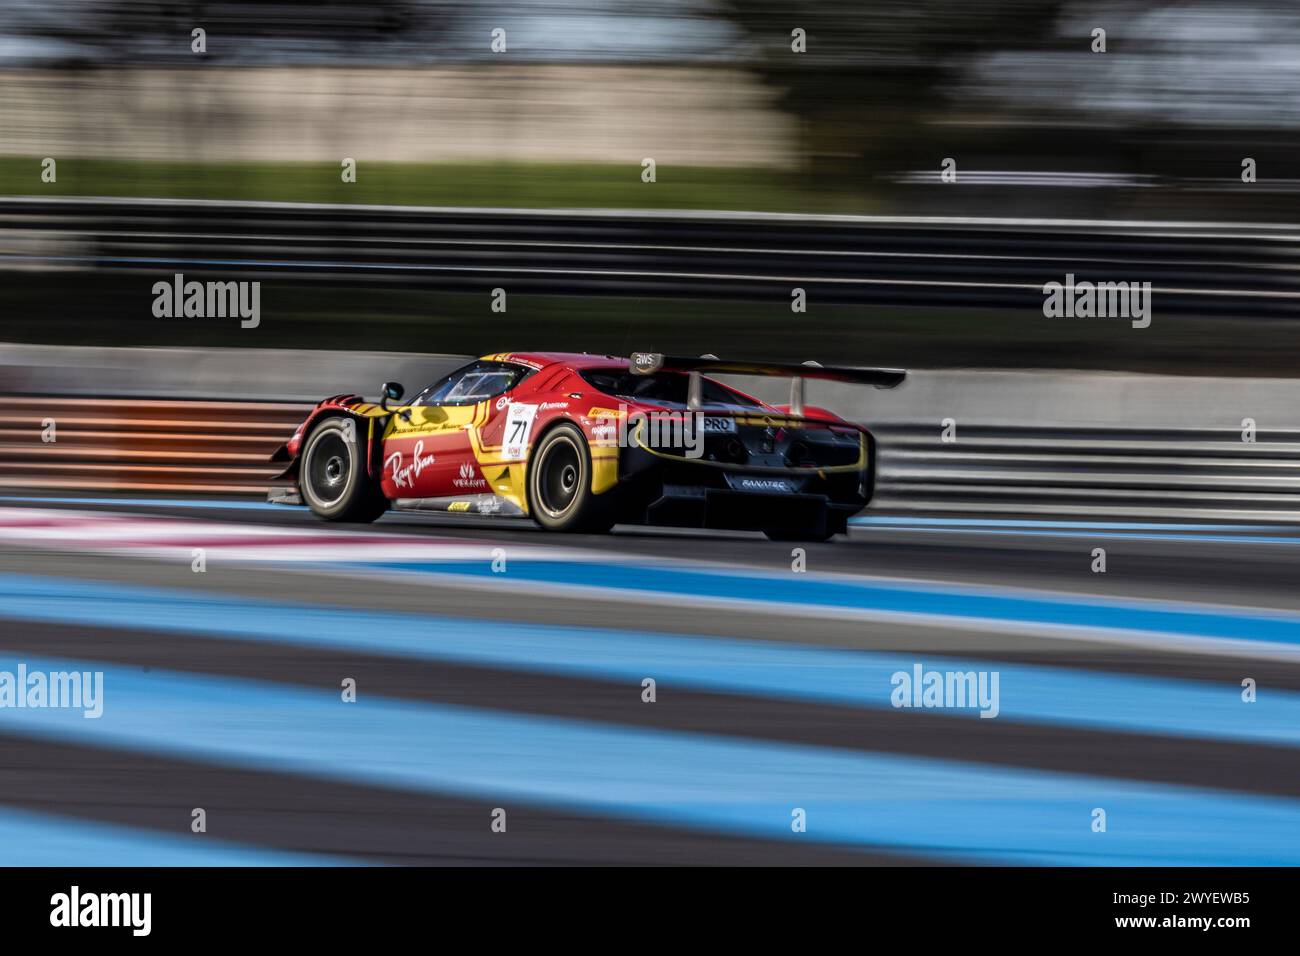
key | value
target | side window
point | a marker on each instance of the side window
(473, 383)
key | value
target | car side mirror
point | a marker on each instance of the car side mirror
(392, 392)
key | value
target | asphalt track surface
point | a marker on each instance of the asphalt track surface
(521, 689)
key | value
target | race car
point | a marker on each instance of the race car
(582, 442)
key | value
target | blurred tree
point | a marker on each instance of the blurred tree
(876, 76)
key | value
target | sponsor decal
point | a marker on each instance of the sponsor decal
(404, 475)
(548, 406)
(468, 478)
(771, 485)
(502, 402)
(644, 363)
(458, 506)
(519, 426)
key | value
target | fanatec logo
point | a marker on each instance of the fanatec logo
(764, 484)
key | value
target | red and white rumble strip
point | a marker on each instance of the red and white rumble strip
(149, 536)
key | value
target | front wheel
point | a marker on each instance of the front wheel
(559, 485)
(333, 476)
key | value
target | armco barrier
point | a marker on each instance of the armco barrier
(223, 447)
(141, 445)
(1118, 472)
(1235, 269)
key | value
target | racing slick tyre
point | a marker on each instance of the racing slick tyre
(333, 478)
(559, 485)
(811, 536)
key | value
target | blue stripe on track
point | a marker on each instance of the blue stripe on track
(876, 596)
(907, 521)
(1037, 694)
(942, 809)
(38, 839)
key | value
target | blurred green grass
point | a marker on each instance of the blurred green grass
(525, 185)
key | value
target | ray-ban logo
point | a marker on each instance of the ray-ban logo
(208, 300)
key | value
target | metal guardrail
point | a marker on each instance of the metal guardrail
(1111, 471)
(1193, 267)
(208, 447)
(142, 445)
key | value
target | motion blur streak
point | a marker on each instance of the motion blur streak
(1096, 521)
(143, 445)
(1254, 633)
(472, 694)
(737, 787)
(38, 839)
(854, 678)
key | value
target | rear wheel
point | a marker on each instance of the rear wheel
(559, 485)
(333, 478)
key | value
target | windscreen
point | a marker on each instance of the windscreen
(662, 388)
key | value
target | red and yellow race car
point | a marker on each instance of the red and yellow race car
(582, 442)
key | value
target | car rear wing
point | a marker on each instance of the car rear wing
(647, 363)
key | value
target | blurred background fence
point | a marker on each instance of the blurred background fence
(1244, 270)
(119, 444)
(953, 131)
(956, 442)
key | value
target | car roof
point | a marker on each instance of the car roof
(580, 361)
(575, 360)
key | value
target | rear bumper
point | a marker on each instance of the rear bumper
(750, 511)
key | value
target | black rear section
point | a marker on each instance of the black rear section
(764, 476)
